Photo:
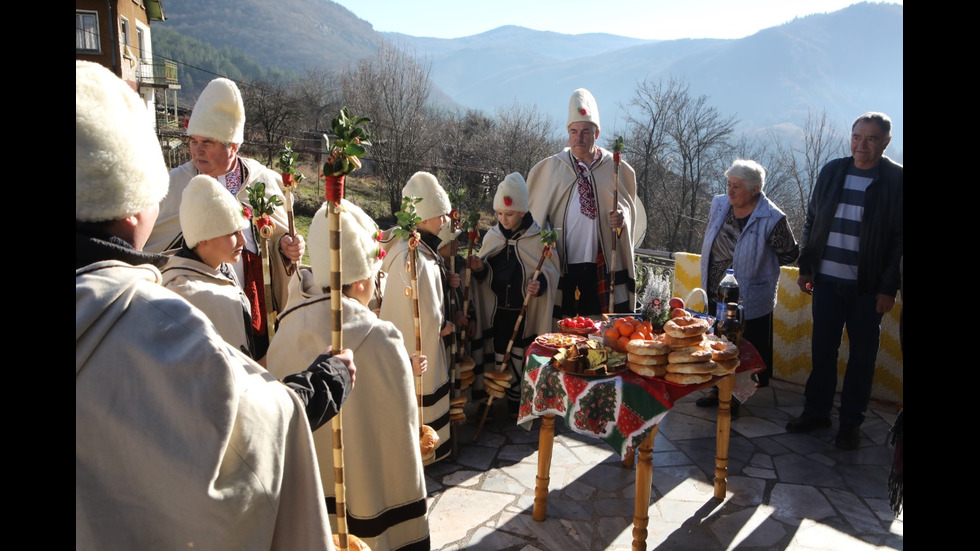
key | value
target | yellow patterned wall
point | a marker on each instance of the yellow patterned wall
(792, 328)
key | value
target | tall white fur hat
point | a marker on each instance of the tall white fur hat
(219, 113)
(360, 250)
(511, 194)
(434, 201)
(583, 108)
(119, 169)
(208, 210)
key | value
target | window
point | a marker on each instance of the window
(141, 52)
(87, 32)
(124, 32)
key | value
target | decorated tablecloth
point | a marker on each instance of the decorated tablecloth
(622, 409)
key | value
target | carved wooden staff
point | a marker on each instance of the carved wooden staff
(290, 180)
(548, 239)
(262, 209)
(456, 357)
(334, 189)
(617, 157)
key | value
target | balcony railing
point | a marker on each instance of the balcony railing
(160, 73)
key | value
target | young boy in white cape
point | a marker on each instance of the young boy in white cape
(503, 270)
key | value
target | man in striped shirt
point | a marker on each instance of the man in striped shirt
(849, 263)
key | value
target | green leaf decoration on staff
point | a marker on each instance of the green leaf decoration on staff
(262, 205)
(287, 159)
(407, 219)
(350, 144)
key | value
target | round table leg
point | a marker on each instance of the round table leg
(725, 387)
(644, 479)
(546, 440)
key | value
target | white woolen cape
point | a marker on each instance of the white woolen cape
(180, 440)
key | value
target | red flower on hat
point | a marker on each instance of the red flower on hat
(377, 235)
(246, 212)
(508, 201)
(582, 111)
(381, 253)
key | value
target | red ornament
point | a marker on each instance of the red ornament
(582, 111)
(474, 235)
(508, 201)
(381, 253)
(263, 221)
(246, 212)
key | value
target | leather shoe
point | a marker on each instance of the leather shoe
(848, 437)
(806, 423)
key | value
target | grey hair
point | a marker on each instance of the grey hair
(751, 172)
(881, 119)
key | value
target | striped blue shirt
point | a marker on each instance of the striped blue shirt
(840, 257)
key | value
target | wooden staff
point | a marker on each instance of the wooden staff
(617, 157)
(262, 208)
(472, 223)
(287, 189)
(286, 161)
(548, 239)
(334, 189)
(265, 232)
(454, 358)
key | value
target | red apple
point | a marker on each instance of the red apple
(676, 302)
(678, 313)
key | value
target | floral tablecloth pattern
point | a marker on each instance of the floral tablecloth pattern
(622, 409)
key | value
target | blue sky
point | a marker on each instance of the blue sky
(650, 19)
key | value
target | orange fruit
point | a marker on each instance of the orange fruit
(648, 327)
(626, 330)
(623, 341)
(639, 334)
(612, 334)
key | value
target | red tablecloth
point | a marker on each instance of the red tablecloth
(621, 409)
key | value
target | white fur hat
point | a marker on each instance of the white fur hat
(434, 201)
(511, 194)
(208, 210)
(360, 250)
(119, 169)
(583, 108)
(219, 113)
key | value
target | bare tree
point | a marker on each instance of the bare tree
(270, 115)
(522, 136)
(801, 159)
(392, 89)
(680, 145)
(318, 97)
(647, 145)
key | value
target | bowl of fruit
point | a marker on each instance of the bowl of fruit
(619, 330)
(579, 325)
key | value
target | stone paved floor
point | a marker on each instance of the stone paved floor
(785, 491)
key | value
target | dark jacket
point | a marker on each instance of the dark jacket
(880, 246)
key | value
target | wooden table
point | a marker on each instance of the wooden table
(644, 469)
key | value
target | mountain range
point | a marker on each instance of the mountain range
(845, 62)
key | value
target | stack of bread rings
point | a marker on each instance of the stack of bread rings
(496, 383)
(647, 357)
(684, 353)
(689, 361)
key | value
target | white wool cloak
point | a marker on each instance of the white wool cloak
(219, 296)
(397, 308)
(180, 440)
(550, 184)
(166, 234)
(385, 483)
